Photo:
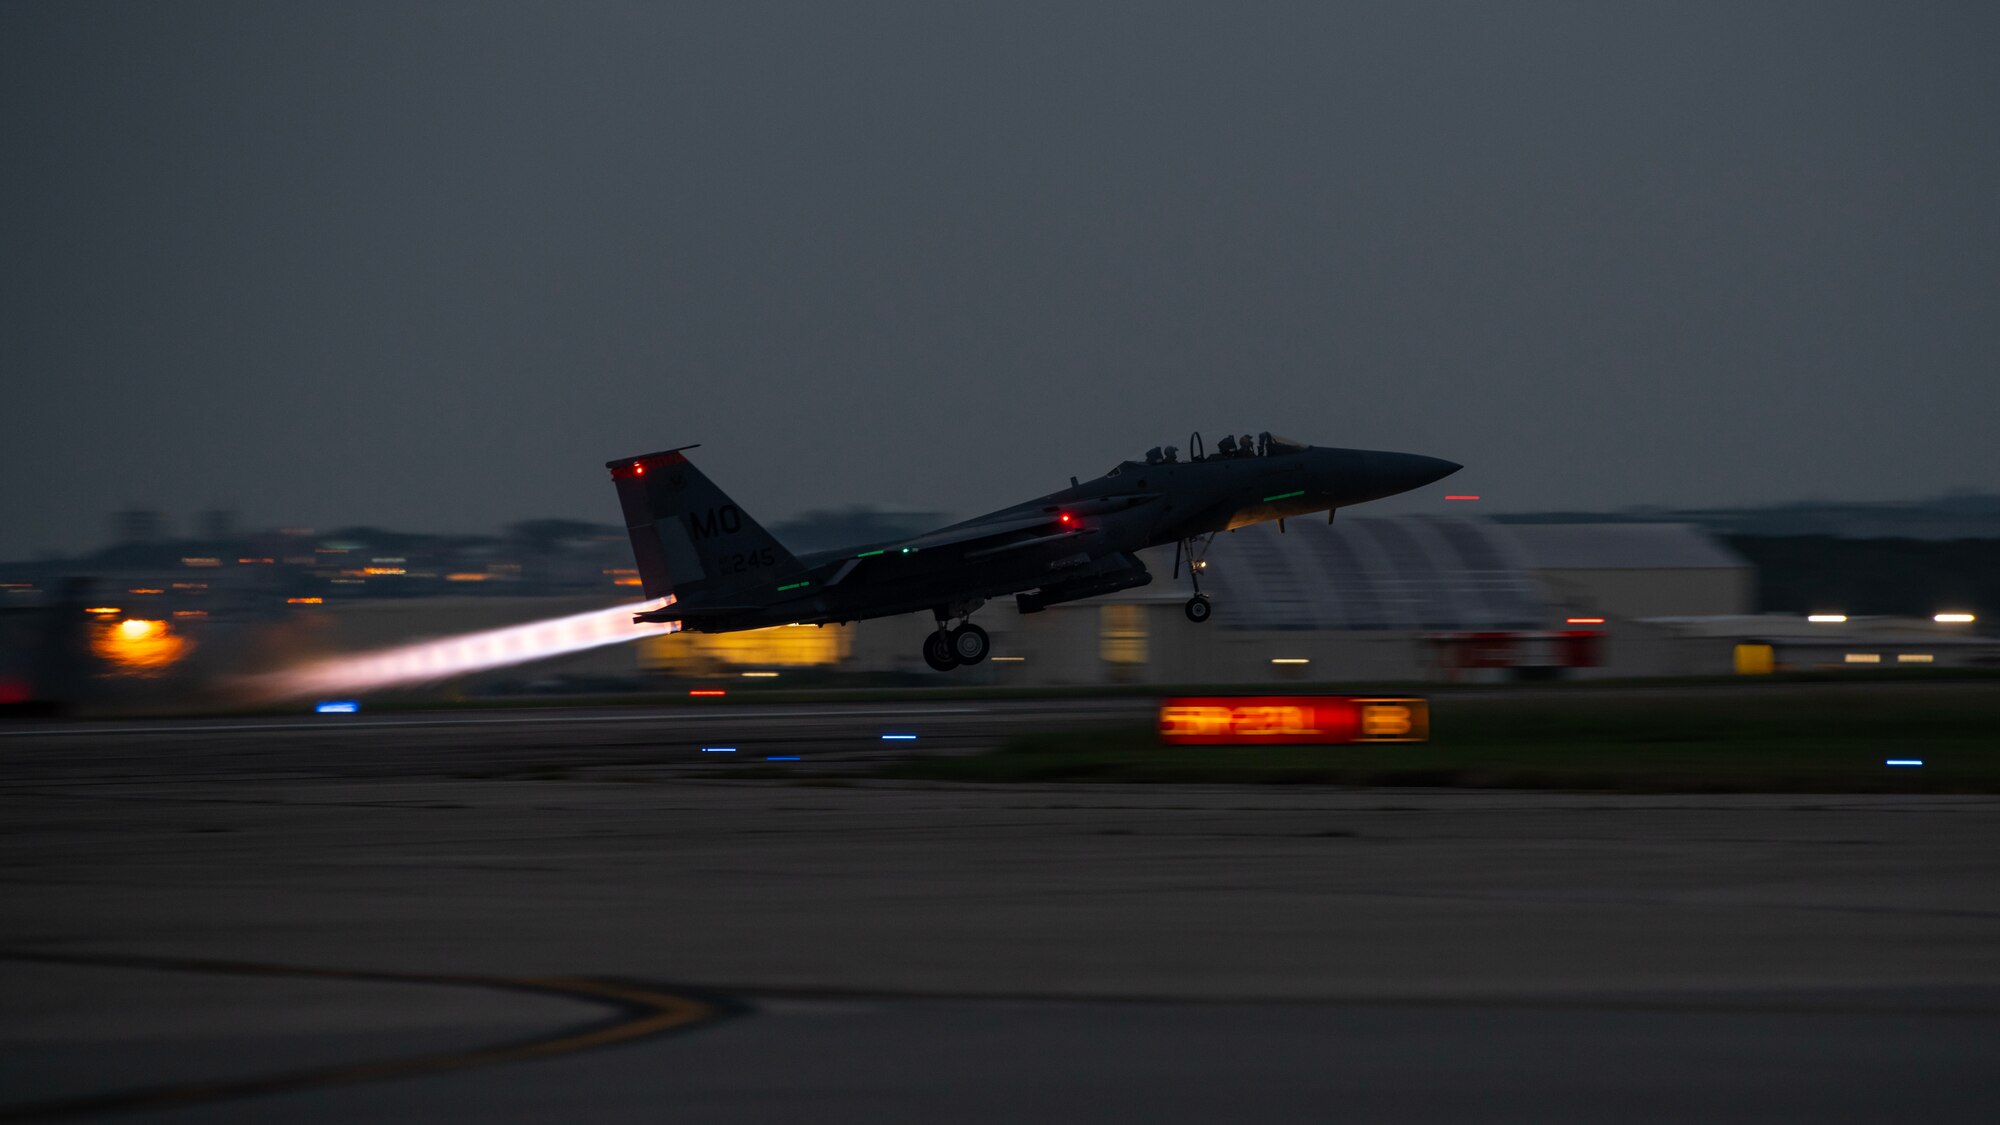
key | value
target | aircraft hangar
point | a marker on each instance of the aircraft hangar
(1413, 597)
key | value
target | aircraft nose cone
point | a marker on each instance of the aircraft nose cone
(1401, 472)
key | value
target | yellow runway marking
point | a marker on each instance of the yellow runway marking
(644, 1011)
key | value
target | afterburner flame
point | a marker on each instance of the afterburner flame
(429, 661)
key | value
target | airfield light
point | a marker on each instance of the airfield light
(1827, 618)
(1902, 761)
(1954, 619)
(338, 707)
(1864, 658)
(718, 749)
(782, 758)
(899, 738)
(137, 647)
(1584, 621)
(760, 675)
(1914, 658)
(1290, 660)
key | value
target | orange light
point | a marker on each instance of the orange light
(137, 647)
(145, 590)
(304, 601)
(1321, 720)
(626, 582)
(1585, 621)
(190, 613)
(103, 609)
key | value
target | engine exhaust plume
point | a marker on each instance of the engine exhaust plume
(429, 661)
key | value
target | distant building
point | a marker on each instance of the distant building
(138, 525)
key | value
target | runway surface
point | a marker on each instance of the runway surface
(454, 915)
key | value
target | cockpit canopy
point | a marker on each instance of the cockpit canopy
(1266, 444)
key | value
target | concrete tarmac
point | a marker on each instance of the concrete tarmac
(853, 951)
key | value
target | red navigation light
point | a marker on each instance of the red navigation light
(1066, 519)
(638, 469)
(1461, 497)
(707, 691)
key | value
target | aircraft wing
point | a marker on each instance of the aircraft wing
(974, 532)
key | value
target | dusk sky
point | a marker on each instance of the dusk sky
(428, 266)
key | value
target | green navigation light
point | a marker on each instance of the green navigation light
(793, 586)
(869, 554)
(1284, 495)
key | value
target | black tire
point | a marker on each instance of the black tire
(938, 654)
(1198, 609)
(970, 644)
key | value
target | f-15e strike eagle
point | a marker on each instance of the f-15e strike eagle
(722, 572)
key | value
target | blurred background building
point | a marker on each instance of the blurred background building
(1367, 598)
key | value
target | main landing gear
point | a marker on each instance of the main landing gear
(1198, 607)
(948, 648)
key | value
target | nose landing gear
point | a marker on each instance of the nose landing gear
(1198, 607)
(948, 648)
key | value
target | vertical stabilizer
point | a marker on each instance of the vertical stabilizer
(690, 539)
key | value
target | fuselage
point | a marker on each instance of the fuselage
(1083, 540)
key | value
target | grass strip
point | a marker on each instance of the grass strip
(1827, 742)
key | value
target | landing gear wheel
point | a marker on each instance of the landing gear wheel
(1197, 608)
(969, 644)
(938, 652)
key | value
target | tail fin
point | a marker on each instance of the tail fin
(689, 538)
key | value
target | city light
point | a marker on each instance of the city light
(1826, 618)
(1954, 619)
(1290, 660)
(429, 661)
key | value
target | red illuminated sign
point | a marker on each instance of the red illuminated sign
(1291, 720)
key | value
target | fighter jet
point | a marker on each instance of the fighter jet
(719, 571)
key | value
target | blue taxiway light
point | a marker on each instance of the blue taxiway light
(338, 707)
(782, 758)
(899, 738)
(718, 749)
(1903, 762)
